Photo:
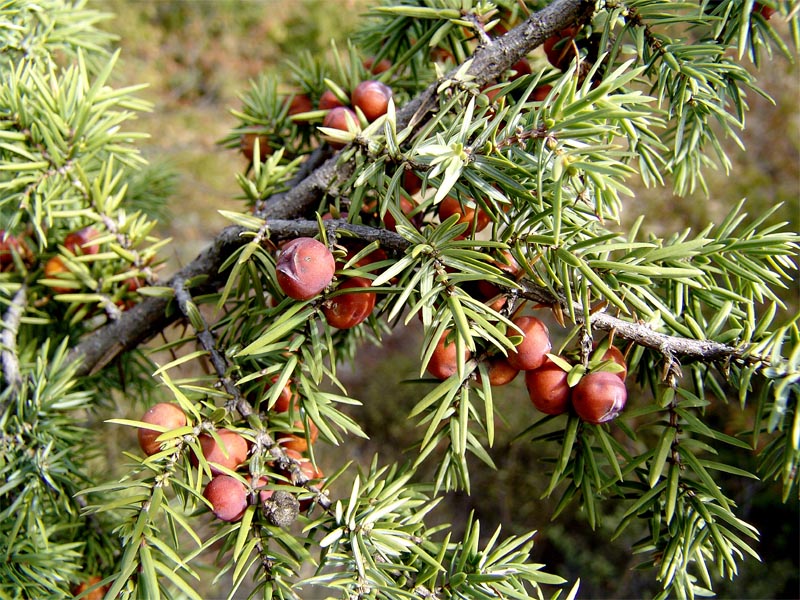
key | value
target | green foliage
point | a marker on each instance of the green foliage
(550, 158)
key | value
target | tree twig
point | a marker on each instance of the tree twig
(154, 314)
(8, 339)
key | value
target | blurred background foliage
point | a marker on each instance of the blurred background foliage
(198, 56)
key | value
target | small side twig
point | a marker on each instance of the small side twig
(8, 339)
(206, 339)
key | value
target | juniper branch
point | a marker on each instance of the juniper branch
(8, 339)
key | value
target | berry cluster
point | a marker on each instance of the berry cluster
(226, 451)
(597, 397)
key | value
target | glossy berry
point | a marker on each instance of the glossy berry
(54, 268)
(300, 103)
(328, 100)
(372, 97)
(80, 242)
(540, 92)
(263, 495)
(444, 360)
(599, 397)
(531, 352)
(98, 593)
(763, 10)
(521, 67)
(229, 452)
(286, 399)
(559, 48)
(345, 311)
(247, 145)
(304, 268)
(500, 371)
(407, 206)
(508, 265)
(298, 442)
(9, 242)
(467, 213)
(615, 354)
(411, 182)
(341, 118)
(376, 68)
(164, 414)
(548, 388)
(227, 496)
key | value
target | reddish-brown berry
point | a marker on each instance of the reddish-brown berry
(298, 442)
(531, 352)
(376, 68)
(341, 118)
(407, 206)
(444, 360)
(548, 388)
(329, 100)
(80, 242)
(411, 182)
(599, 397)
(164, 414)
(559, 48)
(9, 242)
(304, 268)
(98, 593)
(247, 145)
(229, 452)
(500, 371)
(467, 213)
(286, 399)
(763, 10)
(227, 496)
(345, 311)
(615, 354)
(540, 92)
(300, 103)
(372, 97)
(54, 268)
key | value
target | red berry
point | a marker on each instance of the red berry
(164, 414)
(471, 215)
(348, 310)
(304, 268)
(599, 397)
(510, 269)
(300, 103)
(9, 242)
(247, 145)
(53, 269)
(79, 242)
(229, 452)
(286, 399)
(444, 360)
(98, 593)
(540, 92)
(228, 497)
(342, 118)
(548, 388)
(615, 354)
(372, 97)
(298, 442)
(411, 182)
(377, 68)
(559, 48)
(531, 352)
(763, 10)
(407, 206)
(328, 100)
(500, 371)
(521, 67)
